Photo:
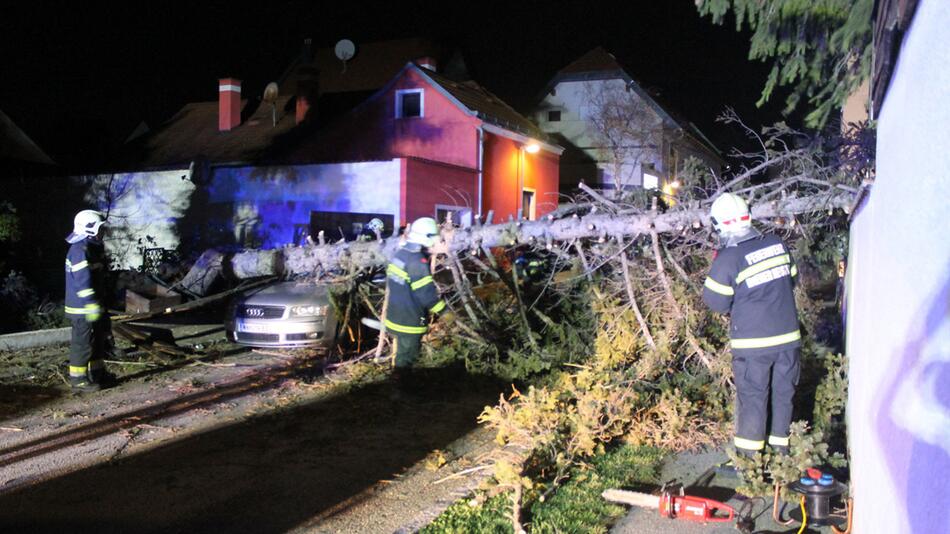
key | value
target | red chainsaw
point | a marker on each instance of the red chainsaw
(675, 506)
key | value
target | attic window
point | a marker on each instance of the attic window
(554, 115)
(409, 103)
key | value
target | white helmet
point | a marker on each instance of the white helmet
(375, 225)
(86, 223)
(422, 231)
(730, 214)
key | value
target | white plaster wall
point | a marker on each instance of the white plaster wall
(579, 102)
(574, 101)
(278, 198)
(143, 209)
(898, 337)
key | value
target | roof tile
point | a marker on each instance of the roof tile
(192, 134)
(487, 105)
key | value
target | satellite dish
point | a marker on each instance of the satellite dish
(270, 96)
(344, 50)
(270, 92)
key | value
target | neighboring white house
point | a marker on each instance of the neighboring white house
(898, 324)
(617, 135)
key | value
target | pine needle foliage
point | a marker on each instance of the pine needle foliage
(820, 49)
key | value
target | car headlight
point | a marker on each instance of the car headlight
(307, 311)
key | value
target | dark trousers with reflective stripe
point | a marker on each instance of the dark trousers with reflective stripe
(406, 348)
(90, 344)
(752, 376)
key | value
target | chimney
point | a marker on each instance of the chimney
(427, 62)
(229, 104)
(307, 91)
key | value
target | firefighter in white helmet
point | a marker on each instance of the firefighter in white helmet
(86, 267)
(412, 294)
(752, 279)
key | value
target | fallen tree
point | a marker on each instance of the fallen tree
(812, 175)
(600, 223)
(615, 338)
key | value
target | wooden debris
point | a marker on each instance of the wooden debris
(192, 305)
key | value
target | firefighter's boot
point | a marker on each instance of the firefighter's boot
(83, 384)
(100, 375)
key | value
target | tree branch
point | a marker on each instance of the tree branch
(671, 300)
(633, 301)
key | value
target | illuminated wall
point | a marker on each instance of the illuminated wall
(898, 337)
(507, 168)
(269, 206)
(245, 206)
(541, 175)
(143, 210)
(501, 183)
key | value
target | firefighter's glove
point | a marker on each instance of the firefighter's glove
(93, 317)
(447, 317)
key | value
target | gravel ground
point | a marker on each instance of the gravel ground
(248, 443)
(245, 444)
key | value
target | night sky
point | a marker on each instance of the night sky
(79, 76)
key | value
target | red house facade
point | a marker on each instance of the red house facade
(460, 146)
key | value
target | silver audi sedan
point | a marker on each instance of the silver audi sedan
(286, 314)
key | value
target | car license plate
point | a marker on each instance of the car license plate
(256, 328)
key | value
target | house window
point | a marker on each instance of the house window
(345, 225)
(459, 215)
(527, 204)
(650, 180)
(554, 115)
(409, 103)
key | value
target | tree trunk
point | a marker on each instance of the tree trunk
(319, 259)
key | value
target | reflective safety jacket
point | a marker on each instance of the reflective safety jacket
(530, 267)
(412, 292)
(85, 273)
(753, 280)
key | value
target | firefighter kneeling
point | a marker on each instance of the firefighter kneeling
(752, 278)
(85, 287)
(413, 296)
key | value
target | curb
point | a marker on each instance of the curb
(35, 338)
